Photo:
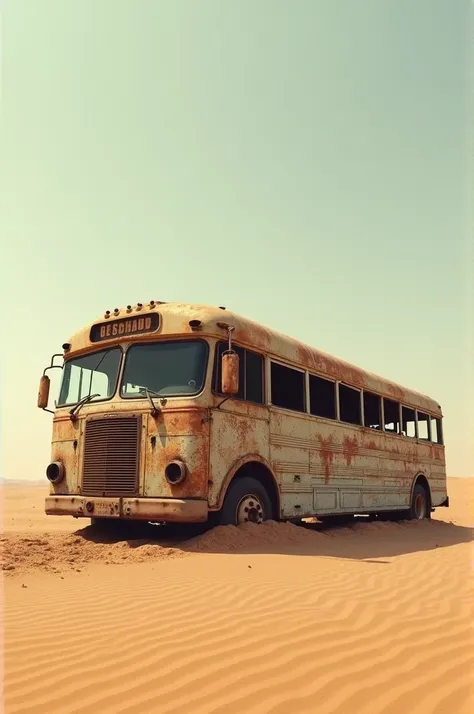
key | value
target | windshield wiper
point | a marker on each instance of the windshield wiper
(74, 411)
(154, 409)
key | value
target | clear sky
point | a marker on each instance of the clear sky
(303, 162)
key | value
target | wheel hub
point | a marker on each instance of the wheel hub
(420, 507)
(250, 510)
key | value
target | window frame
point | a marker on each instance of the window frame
(336, 397)
(384, 430)
(381, 415)
(304, 372)
(439, 430)
(413, 409)
(87, 354)
(361, 406)
(157, 342)
(428, 421)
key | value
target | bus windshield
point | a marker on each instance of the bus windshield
(166, 369)
(93, 374)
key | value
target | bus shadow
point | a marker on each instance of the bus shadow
(373, 542)
(378, 542)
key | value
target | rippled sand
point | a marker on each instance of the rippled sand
(375, 618)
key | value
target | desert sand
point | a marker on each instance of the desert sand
(375, 618)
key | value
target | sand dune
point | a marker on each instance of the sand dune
(375, 618)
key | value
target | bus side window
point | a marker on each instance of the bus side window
(322, 397)
(436, 430)
(372, 411)
(423, 426)
(408, 422)
(288, 387)
(254, 377)
(349, 404)
(391, 416)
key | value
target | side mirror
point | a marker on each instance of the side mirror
(230, 373)
(43, 392)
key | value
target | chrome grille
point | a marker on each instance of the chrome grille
(111, 455)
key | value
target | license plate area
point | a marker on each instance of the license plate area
(103, 507)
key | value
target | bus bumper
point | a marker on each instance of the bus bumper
(444, 503)
(172, 510)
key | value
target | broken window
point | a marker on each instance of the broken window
(372, 411)
(349, 405)
(250, 373)
(288, 388)
(423, 426)
(408, 422)
(436, 430)
(322, 397)
(391, 416)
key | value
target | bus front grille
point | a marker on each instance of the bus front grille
(111, 456)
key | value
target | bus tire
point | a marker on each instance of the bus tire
(246, 500)
(420, 504)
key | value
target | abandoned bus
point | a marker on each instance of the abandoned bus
(170, 412)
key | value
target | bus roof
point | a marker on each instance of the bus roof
(175, 319)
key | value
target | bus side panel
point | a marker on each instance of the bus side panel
(238, 431)
(327, 467)
(290, 446)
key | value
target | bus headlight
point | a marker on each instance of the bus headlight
(175, 472)
(55, 472)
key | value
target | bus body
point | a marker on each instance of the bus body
(143, 431)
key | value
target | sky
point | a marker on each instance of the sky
(304, 163)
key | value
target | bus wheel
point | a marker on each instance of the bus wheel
(420, 507)
(245, 501)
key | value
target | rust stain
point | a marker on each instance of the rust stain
(350, 449)
(305, 357)
(255, 337)
(184, 435)
(184, 421)
(244, 434)
(330, 366)
(396, 392)
(326, 454)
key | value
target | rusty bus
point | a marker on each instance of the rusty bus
(170, 412)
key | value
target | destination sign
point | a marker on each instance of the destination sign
(124, 326)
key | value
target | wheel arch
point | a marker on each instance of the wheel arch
(257, 467)
(420, 478)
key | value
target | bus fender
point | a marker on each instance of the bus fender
(421, 478)
(248, 458)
